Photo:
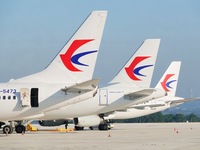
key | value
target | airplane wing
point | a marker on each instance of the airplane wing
(82, 87)
(182, 100)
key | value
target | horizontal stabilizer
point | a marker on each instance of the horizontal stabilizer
(82, 87)
(139, 94)
(182, 100)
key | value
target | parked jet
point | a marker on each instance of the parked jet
(168, 82)
(130, 86)
(66, 80)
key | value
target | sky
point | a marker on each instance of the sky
(32, 32)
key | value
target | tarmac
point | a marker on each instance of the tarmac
(137, 136)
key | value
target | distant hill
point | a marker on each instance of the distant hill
(185, 111)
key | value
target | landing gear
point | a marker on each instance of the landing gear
(78, 128)
(110, 124)
(103, 127)
(66, 124)
(20, 129)
(7, 129)
(10, 126)
(91, 128)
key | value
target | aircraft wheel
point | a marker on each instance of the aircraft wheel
(103, 127)
(20, 129)
(78, 128)
(7, 129)
(91, 128)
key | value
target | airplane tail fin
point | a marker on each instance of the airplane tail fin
(169, 80)
(76, 60)
(139, 69)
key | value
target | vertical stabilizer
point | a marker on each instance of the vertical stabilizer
(139, 69)
(169, 80)
(76, 60)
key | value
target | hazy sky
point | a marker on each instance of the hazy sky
(33, 31)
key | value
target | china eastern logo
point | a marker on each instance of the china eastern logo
(133, 71)
(166, 82)
(69, 59)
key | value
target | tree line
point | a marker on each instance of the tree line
(159, 117)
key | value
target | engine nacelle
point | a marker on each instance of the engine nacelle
(87, 121)
(52, 122)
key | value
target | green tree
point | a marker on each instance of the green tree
(168, 118)
(159, 117)
(179, 118)
(192, 118)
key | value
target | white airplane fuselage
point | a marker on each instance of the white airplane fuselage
(48, 95)
(107, 99)
(134, 112)
(147, 108)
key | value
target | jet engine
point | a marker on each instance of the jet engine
(87, 121)
(52, 122)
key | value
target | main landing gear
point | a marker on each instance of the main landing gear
(77, 128)
(103, 127)
(9, 127)
(20, 129)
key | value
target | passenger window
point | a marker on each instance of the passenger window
(4, 97)
(14, 97)
(9, 97)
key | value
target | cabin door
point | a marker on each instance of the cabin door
(103, 97)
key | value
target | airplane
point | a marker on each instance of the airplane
(168, 82)
(65, 81)
(130, 86)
